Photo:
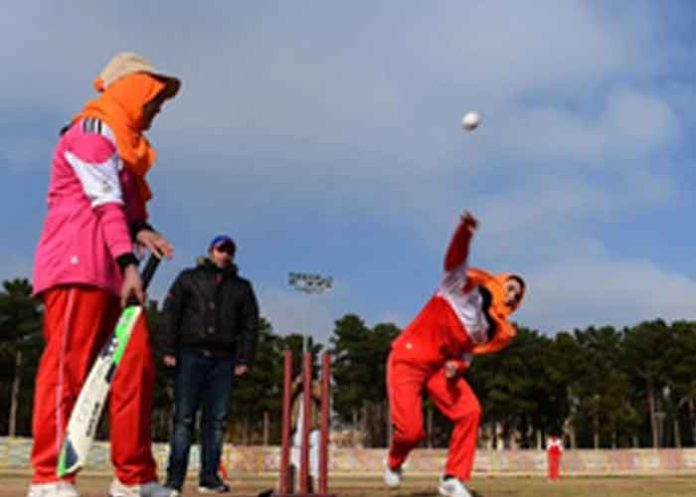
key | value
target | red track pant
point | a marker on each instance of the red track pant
(77, 322)
(454, 398)
(554, 460)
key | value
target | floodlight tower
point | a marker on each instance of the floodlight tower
(309, 283)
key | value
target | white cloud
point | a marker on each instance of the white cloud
(397, 318)
(24, 153)
(14, 266)
(293, 312)
(357, 106)
(560, 201)
(578, 292)
(628, 124)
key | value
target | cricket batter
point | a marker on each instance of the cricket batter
(85, 268)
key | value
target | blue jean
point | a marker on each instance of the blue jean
(201, 381)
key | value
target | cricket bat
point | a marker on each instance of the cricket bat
(85, 415)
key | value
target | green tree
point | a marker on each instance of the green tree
(350, 369)
(647, 347)
(20, 348)
(676, 396)
(512, 387)
(359, 370)
(564, 364)
(602, 387)
(256, 401)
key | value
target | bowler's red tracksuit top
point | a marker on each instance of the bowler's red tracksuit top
(467, 315)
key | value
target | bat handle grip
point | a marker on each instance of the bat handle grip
(146, 276)
(149, 271)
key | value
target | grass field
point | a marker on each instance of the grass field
(90, 486)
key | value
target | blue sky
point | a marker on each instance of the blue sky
(325, 137)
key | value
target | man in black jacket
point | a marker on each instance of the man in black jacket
(208, 330)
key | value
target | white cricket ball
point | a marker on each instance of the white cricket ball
(471, 120)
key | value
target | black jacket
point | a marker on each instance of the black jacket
(212, 310)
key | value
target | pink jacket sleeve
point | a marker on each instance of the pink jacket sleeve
(96, 163)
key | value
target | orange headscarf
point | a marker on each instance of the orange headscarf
(120, 106)
(499, 311)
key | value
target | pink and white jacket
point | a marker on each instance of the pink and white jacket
(92, 200)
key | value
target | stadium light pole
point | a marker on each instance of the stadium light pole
(309, 283)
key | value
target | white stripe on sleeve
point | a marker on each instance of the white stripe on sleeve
(100, 181)
(454, 280)
(468, 306)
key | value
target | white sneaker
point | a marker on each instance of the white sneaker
(217, 488)
(56, 489)
(392, 477)
(43, 490)
(453, 487)
(151, 489)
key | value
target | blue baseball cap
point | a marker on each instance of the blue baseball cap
(222, 240)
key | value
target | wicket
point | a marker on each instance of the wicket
(285, 486)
